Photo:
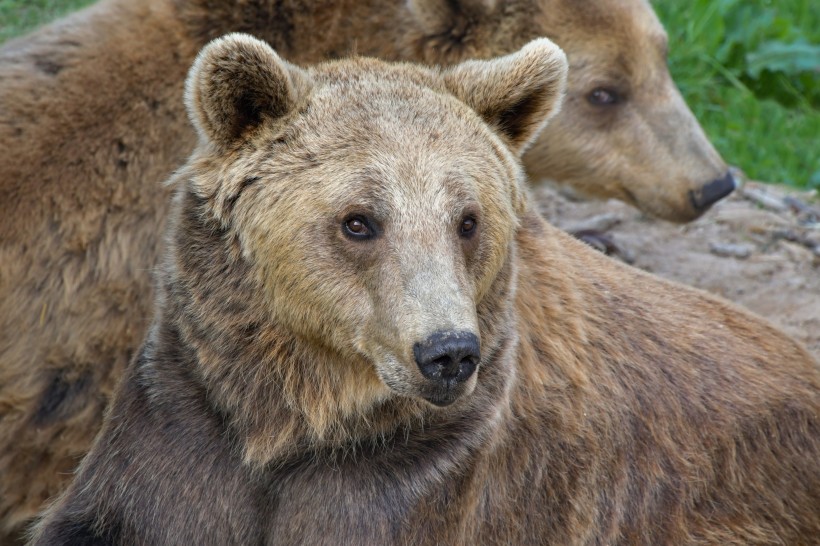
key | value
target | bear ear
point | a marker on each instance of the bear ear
(452, 18)
(516, 94)
(236, 83)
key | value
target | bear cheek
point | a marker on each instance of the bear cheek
(307, 290)
(492, 257)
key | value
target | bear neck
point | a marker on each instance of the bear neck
(285, 398)
(285, 24)
(310, 32)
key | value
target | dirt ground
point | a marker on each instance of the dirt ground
(759, 248)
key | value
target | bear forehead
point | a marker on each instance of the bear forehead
(364, 89)
(373, 117)
(383, 134)
(351, 154)
(389, 175)
(366, 70)
(431, 174)
(370, 129)
(602, 33)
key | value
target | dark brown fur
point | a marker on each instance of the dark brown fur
(611, 407)
(91, 122)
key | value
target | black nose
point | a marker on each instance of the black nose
(712, 192)
(448, 356)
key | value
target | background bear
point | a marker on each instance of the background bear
(364, 335)
(91, 123)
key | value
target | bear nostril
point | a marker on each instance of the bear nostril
(712, 192)
(448, 356)
(448, 368)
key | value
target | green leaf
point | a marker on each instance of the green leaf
(790, 59)
(814, 180)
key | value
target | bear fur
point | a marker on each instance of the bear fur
(330, 221)
(91, 122)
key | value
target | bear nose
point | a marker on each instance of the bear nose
(712, 192)
(449, 356)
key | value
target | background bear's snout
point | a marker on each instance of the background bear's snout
(712, 192)
(449, 357)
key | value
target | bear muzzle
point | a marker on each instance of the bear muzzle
(712, 192)
(447, 359)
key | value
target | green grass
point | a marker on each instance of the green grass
(750, 70)
(19, 16)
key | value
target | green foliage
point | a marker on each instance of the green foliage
(751, 72)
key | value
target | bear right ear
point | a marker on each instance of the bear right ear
(516, 94)
(236, 83)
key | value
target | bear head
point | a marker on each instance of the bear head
(624, 130)
(373, 207)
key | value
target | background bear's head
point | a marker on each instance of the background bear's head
(624, 130)
(372, 208)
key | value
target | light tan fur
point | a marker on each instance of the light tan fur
(277, 398)
(412, 296)
(91, 122)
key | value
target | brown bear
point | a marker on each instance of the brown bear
(91, 122)
(365, 335)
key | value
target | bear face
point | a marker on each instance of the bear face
(93, 121)
(641, 143)
(624, 131)
(383, 207)
(598, 387)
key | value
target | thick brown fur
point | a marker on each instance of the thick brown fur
(275, 399)
(91, 122)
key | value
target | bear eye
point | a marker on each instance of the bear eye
(468, 227)
(358, 227)
(602, 96)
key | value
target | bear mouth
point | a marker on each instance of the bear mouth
(442, 401)
(445, 392)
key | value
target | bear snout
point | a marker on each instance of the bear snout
(712, 192)
(448, 358)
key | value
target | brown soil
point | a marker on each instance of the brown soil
(759, 248)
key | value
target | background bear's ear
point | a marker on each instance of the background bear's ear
(516, 94)
(236, 83)
(451, 18)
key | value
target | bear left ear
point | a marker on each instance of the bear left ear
(236, 83)
(516, 94)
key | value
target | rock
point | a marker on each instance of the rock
(731, 250)
(765, 199)
(598, 223)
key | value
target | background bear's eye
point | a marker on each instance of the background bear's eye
(603, 96)
(358, 227)
(468, 226)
